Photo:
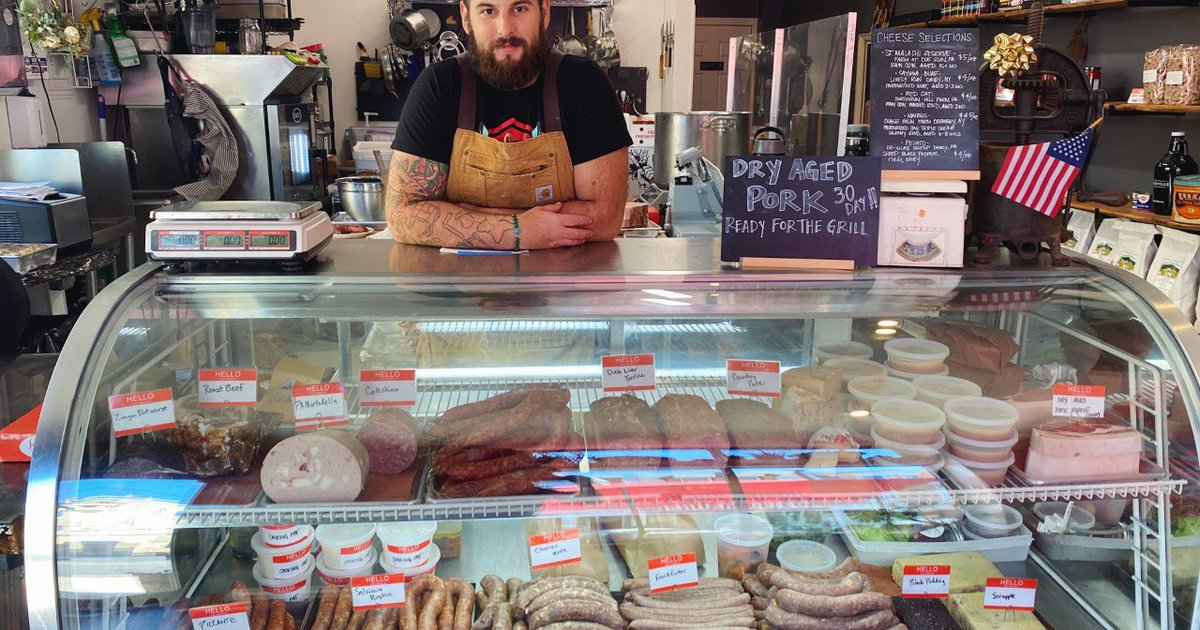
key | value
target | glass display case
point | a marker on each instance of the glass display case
(669, 432)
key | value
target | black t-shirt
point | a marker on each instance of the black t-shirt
(591, 114)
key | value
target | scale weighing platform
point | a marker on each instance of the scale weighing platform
(238, 231)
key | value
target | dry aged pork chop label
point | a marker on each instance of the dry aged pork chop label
(319, 406)
(377, 591)
(753, 378)
(926, 581)
(1009, 594)
(1079, 401)
(555, 549)
(220, 617)
(628, 373)
(388, 388)
(142, 412)
(671, 573)
(228, 388)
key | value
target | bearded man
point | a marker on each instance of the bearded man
(509, 146)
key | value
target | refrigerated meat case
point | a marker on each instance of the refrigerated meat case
(108, 553)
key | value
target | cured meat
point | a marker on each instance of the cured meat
(754, 425)
(327, 466)
(217, 440)
(391, 438)
(688, 422)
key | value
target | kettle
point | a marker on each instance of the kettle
(769, 145)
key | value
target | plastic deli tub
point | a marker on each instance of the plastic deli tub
(283, 562)
(857, 368)
(409, 573)
(991, 520)
(904, 449)
(284, 535)
(981, 450)
(919, 356)
(981, 418)
(806, 556)
(991, 473)
(293, 588)
(872, 389)
(1008, 549)
(407, 545)
(742, 542)
(938, 390)
(346, 547)
(912, 376)
(908, 421)
(339, 577)
(842, 350)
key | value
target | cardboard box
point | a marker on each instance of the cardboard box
(16, 439)
(918, 230)
(641, 155)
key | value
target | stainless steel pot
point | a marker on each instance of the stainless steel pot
(718, 134)
(363, 198)
(410, 30)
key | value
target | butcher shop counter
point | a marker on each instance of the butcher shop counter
(626, 427)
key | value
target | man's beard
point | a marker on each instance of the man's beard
(510, 75)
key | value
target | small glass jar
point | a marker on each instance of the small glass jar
(250, 37)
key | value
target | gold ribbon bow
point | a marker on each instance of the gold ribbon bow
(1011, 55)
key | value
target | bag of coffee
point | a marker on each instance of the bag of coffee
(1083, 228)
(1176, 269)
(1104, 243)
(1136, 247)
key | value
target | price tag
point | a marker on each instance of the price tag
(377, 591)
(228, 388)
(671, 573)
(1009, 594)
(319, 406)
(1149, 76)
(1174, 77)
(554, 549)
(220, 617)
(628, 373)
(1137, 96)
(1079, 401)
(926, 581)
(388, 388)
(753, 378)
(142, 412)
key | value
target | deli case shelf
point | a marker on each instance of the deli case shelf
(392, 404)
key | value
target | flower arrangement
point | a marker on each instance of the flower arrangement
(47, 26)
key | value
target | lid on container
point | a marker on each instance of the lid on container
(983, 411)
(844, 349)
(912, 376)
(744, 530)
(263, 580)
(1178, 134)
(365, 569)
(413, 530)
(350, 532)
(1080, 520)
(260, 546)
(995, 516)
(806, 556)
(882, 387)
(857, 368)
(1008, 442)
(946, 387)
(911, 414)
(902, 449)
(984, 465)
(917, 349)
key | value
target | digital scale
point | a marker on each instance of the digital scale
(240, 231)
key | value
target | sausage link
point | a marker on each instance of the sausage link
(414, 591)
(875, 620)
(374, 620)
(493, 586)
(824, 606)
(764, 571)
(504, 620)
(573, 625)
(341, 612)
(849, 585)
(329, 597)
(486, 616)
(568, 593)
(357, 620)
(464, 603)
(238, 593)
(759, 603)
(289, 622)
(632, 612)
(391, 618)
(898, 626)
(753, 586)
(683, 595)
(481, 600)
(434, 601)
(576, 610)
(521, 625)
(513, 585)
(445, 619)
(848, 566)
(276, 614)
(720, 601)
(258, 612)
(655, 624)
(636, 583)
(178, 612)
(536, 589)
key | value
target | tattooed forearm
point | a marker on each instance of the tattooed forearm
(417, 215)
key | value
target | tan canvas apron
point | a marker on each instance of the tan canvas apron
(515, 175)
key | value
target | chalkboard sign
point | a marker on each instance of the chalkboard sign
(814, 208)
(925, 99)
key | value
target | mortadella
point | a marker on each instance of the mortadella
(327, 466)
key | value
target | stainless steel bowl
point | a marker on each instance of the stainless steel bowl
(363, 198)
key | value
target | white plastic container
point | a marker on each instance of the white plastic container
(984, 419)
(407, 545)
(991, 473)
(912, 376)
(919, 356)
(872, 389)
(842, 350)
(981, 450)
(283, 562)
(284, 535)
(857, 368)
(428, 568)
(1081, 520)
(916, 450)
(742, 542)
(338, 577)
(346, 547)
(938, 390)
(993, 520)
(806, 556)
(1009, 549)
(908, 421)
(293, 588)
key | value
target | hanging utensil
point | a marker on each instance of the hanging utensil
(671, 44)
(448, 46)
(388, 70)
(589, 38)
(410, 30)
(606, 54)
(571, 44)
(435, 22)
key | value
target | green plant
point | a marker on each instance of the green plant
(47, 26)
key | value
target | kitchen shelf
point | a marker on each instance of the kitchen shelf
(1127, 211)
(1019, 15)
(1161, 110)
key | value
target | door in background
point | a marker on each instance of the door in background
(712, 59)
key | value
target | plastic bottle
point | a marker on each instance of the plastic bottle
(124, 51)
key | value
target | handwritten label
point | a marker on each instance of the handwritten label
(142, 412)
(628, 373)
(554, 549)
(228, 388)
(926, 581)
(1079, 401)
(753, 378)
(220, 617)
(319, 406)
(377, 591)
(671, 573)
(1009, 594)
(388, 388)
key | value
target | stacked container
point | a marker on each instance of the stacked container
(981, 434)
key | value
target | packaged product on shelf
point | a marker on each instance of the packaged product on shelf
(593, 563)
(743, 541)
(1104, 244)
(969, 570)
(1154, 70)
(1082, 225)
(391, 438)
(758, 435)
(689, 422)
(623, 423)
(967, 609)
(1176, 269)
(328, 466)
(980, 354)
(216, 440)
(824, 381)
(808, 412)
(642, 538)
(1083, 451)
(448, 538)
(832, 446)
(924, 613)
(1181, 76)
(713, 602)
(572, 601)
(1136, 247)
(840, 598)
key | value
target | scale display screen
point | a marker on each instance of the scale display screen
(224, 240)
(178, 240)
(270, 240)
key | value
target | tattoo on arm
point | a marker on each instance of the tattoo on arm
(417, 213)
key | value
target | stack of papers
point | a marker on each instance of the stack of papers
(26, 191)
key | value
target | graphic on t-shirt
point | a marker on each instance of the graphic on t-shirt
(511, 130)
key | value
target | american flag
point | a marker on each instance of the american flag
(1038, 175)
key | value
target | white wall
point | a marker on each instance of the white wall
(638, 24)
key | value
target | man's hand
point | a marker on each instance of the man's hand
(546, 227)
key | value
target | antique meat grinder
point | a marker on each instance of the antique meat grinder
(1052, 99)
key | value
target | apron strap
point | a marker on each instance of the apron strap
(551, 111)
